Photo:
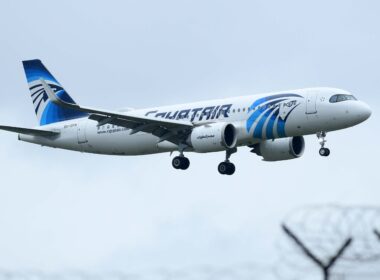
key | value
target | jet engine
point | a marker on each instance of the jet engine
(213, 137)
(280, 149)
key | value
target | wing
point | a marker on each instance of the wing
(30, 131)
(175, 131)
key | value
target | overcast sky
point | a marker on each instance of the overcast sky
(63, 210)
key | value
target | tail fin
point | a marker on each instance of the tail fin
(46, 111)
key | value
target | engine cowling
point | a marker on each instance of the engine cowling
(213, 137)
(280, 149)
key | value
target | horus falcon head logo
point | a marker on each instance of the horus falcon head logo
(269, 114)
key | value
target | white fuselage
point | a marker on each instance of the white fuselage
(300, 112)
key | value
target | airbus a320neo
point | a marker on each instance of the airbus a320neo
(272, 124)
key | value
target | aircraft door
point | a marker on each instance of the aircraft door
(82, 132)
(311, 103)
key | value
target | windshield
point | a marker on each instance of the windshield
(341, 97)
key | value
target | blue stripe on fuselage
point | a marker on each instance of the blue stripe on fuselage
(270, 125)
(258, 112)
(258, 132)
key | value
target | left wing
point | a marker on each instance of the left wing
(175, 131)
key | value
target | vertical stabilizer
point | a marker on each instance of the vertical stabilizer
(46, 111)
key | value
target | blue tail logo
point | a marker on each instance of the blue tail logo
(46, 111)
(270, 113)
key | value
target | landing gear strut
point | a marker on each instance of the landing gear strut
(324, 152)
(226, 167)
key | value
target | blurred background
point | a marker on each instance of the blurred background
(66, 214)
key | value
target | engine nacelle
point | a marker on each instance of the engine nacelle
(280, 149)
(213, 137)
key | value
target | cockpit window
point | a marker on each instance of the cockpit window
(341, 97)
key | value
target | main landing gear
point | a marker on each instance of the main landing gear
(226, 167)
(324, 152)
(181, 162)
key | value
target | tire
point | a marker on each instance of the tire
(181, 163)
(327, 152)
(231, 169)
(322, 152)
(185, 163)
(223, 168)
(177, 162)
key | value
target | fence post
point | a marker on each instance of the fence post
(325, 267)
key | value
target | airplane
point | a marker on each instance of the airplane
(271, 124)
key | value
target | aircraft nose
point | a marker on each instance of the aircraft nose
(358, 112)
(365, 111)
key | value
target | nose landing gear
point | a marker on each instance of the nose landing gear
(226, 167)
(324, 152)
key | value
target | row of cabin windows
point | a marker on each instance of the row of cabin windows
(238, 110)
(250, 109)
(109, 126)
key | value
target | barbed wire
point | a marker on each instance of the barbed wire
(323, 229)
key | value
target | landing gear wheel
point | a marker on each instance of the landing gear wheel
(324, 152)
(231, 168)
(176, 162)
(222, 168)
(185, 163)
(181, 162)
(226, 168)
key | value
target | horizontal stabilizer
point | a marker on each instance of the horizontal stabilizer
(30, 131)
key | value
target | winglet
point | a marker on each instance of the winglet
(55, 99)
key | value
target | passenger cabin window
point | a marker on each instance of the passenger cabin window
(341, 97)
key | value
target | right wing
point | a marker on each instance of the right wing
(29, 131)
(175, 131)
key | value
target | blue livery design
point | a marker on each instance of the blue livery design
(46, 111)
(266, 117)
